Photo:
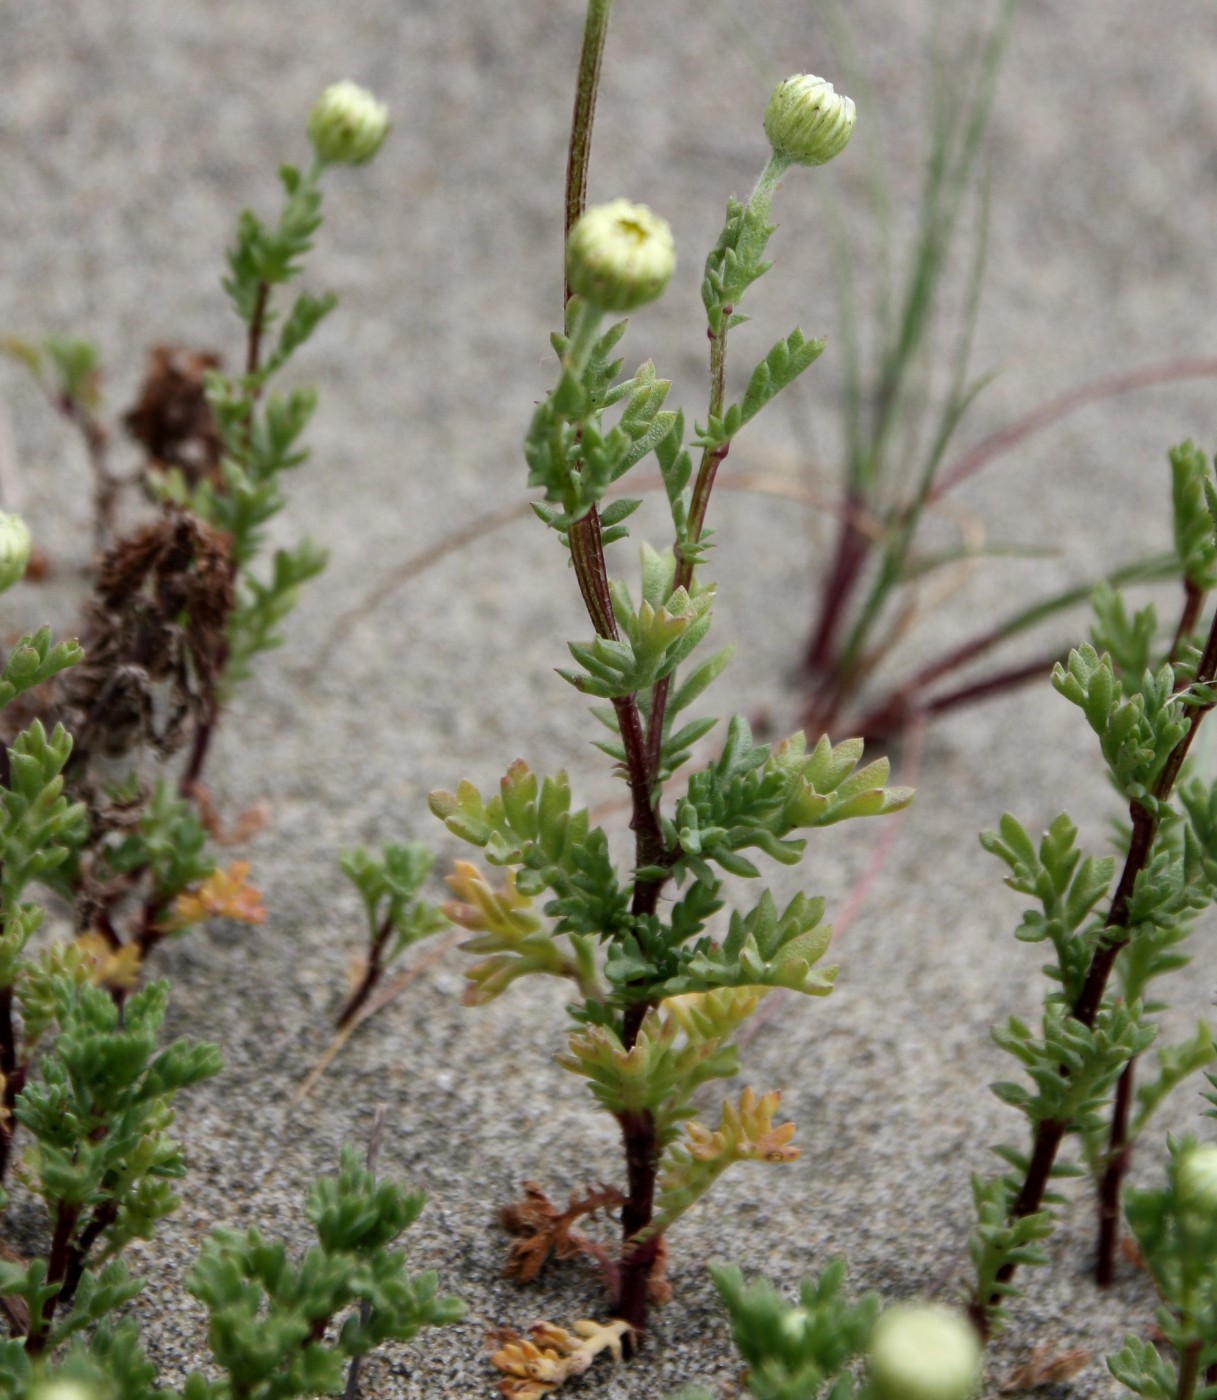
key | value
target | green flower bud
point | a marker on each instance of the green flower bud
(923, 1351)
(1196, 1180)
(619, 256)
(796, 1323)
(63, 1390)
(14, 549)
(347, 125)
(807, 122)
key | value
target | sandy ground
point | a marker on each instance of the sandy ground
(132, 132)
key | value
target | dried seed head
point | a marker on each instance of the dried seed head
(347, 125)
(807, 122)
(923, 1351)
(14, 549)
(619, 256)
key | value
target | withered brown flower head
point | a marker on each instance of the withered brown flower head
(172, 419)
(154, 637)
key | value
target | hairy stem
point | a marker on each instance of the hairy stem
(711, 460)
(579, 153)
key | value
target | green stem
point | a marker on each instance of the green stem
(711, 460)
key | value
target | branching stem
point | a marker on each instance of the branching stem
(711, 460)
(57, 1270)
(372, 973)
(1049, 1133)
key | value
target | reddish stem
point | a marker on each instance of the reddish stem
(1119, 1149)
(371, 975)
(642, 1163)
(103, 1217)
(57, 1268)
(1048, 1134)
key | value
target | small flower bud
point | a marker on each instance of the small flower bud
(62, 1390)
(347, 125)
(619, 256)
(807, 122)
(923, 1351)
(796, 1323)
(1196, 1180)
(14, 549)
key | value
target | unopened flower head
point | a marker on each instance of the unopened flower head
(1196, 1180)
(14, 549)
(619, 256)
(923, 1351)
(60, 1389)
(807, 122)
(347, 125)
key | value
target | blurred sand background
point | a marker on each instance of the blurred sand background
(132, 132)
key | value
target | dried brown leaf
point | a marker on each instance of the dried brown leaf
(14, 1308)
(544, 1229)
(172, 419)
(154, 637)
(1130, 1251)
(659, 1290)
(1046, 1366)
(248, 823)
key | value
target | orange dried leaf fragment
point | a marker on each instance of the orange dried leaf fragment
(116, 969)
(225, 894)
